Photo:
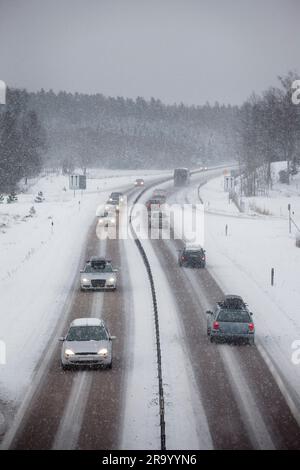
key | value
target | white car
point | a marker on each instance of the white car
(87, 342)
(107, 219)
(112, 206)
(98, 273)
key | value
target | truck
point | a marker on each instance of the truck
(181, 177)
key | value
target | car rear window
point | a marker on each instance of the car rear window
(194, 253)
(87, 333)
(234, 316)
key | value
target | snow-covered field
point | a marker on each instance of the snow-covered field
(242, 261)
(39, 263)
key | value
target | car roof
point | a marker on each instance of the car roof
(233, 296)
(87, 322)
(192, 246)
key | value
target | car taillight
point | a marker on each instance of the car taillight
(216, 325)
(251, 326)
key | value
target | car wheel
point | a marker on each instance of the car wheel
(208, 331)
(212, 339)
(251, 342)
(109, 366)
(65, 366)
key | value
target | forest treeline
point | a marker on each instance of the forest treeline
(65, 130)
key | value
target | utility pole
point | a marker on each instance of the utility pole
(290, 218)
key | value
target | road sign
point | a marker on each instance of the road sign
(77, 182)
(228, 183)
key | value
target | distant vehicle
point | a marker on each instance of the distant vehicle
(116, 196)
(98, 273)
(107, 219)
(181, 177)
(139, 182)
(192, 256)
(87, 343)
(112, 205)
(153, 203)
(231, 320)
(160, 194)
(158, 219)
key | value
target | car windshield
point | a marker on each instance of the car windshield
(115, 195)
(234, 316)
(87, 333)
(194, 252)
(98, 267)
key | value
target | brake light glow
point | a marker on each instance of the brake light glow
(216, 325)
(251, 326)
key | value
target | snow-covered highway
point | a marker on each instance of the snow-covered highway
(216, 396)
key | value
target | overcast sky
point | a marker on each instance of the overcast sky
(189, 51)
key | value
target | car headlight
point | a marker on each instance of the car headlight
(121, 199)
(69, 352)
(101, 221)
(103, 352)
(85, 279)
(113, 221)
(111, 280)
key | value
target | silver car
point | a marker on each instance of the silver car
(107, 219)
(231, 320)
(87, 342)
(98, 273)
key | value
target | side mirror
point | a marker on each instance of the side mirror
(61, 338)
(251, 313)
(115, 270)
(209, 312)
(111, 338)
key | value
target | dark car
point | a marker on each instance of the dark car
(192, 256)
(139, 182)
(116, 196)
(231, 320)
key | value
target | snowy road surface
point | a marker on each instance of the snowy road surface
(217, 396)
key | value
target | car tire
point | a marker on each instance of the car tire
(65, 366)
(251, 342)
(211, 338)
(109, 366)
(208, 331)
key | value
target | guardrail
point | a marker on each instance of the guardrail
(154, 302)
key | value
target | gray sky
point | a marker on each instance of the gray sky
(189, 51)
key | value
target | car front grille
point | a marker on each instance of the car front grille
(98, 282)
(86, 354)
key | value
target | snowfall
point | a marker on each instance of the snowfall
(241, 262)
(40, 264)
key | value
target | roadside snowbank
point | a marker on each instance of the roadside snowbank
(242, 261)
(39, 264)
